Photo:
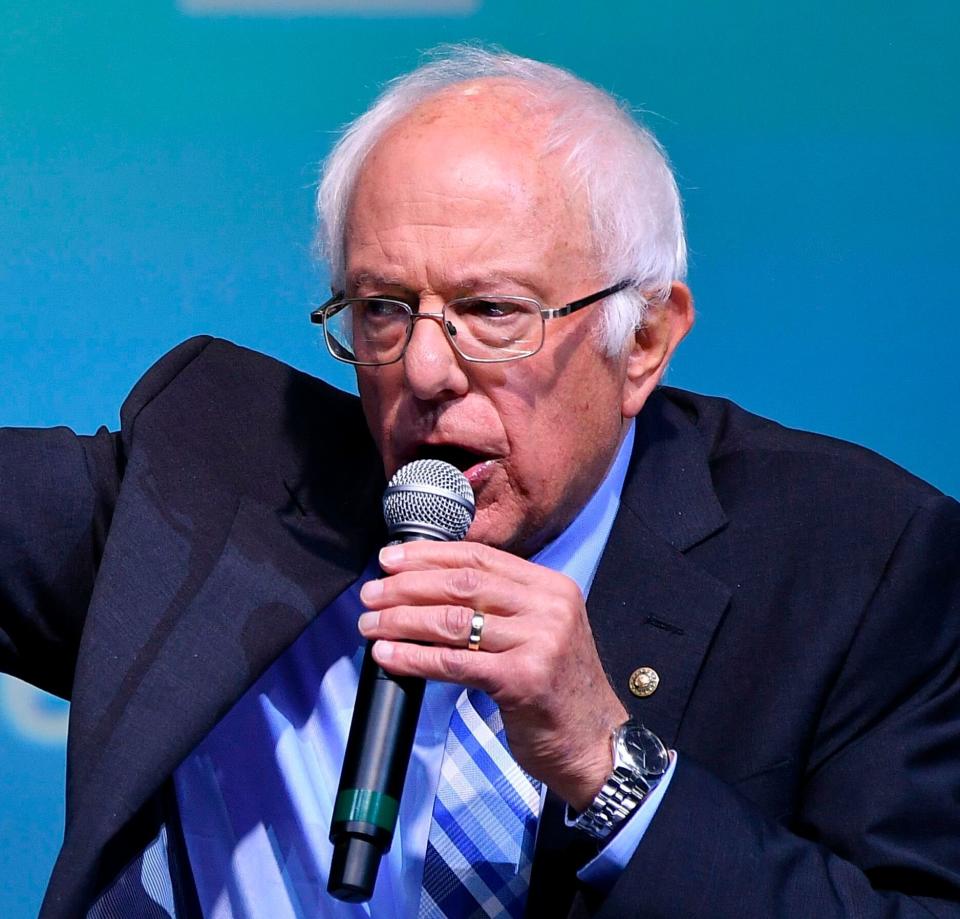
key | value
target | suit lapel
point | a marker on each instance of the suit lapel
(650, 606)
(248, 584)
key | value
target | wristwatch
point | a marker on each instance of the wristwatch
(639, 762)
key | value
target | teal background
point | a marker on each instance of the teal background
(156, 173)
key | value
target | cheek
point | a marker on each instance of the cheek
(538, 430)
(377, 407)
(551, 412)
(558, 437)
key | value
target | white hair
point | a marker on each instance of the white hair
(620, 167)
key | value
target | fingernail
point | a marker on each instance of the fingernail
(368, 622)
(383, 651)
(391, 555)
(371, 591)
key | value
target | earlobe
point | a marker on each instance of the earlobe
(653, 345)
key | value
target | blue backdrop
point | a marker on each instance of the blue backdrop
(156, 170)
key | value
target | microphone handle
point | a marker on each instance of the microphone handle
(374, 769)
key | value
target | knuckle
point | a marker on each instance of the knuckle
(547, 652)
(454, 621)
(499, 691)
(572, 592)
(503, 684)
(454, 664)
(478, 554)
(567, 613)
(465, 582)
(540, 673)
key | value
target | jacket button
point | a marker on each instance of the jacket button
(644, 682)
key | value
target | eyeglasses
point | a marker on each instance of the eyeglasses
(374, 331)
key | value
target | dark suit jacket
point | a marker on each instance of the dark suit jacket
(798, 596)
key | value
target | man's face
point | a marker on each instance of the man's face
(455, 201)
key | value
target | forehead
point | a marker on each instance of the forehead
(465, 178)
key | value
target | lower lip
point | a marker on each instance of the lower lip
(478, 474)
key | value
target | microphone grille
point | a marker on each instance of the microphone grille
(429, 498)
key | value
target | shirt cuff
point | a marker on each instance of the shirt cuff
(606, 866)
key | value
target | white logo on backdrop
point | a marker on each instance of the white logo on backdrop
(32, 713)
(320, 7)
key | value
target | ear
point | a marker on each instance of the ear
(652, 346)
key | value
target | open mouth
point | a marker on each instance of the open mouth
(457, 456)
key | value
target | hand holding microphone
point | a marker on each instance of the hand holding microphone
(537, 660)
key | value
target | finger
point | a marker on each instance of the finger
(451, 586)
(445, 625)
(425, 554)
(449, 665)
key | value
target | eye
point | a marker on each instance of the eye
(490, 310)
(374, 310)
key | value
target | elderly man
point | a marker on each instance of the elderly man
(687, 663)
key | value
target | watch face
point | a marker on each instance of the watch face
(643, 750)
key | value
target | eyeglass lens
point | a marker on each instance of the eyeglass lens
(372, 331)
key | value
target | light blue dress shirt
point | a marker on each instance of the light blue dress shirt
(256, 796)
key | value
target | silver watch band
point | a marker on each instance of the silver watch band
(615, 802)
(625, 787)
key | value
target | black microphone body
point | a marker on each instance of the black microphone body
(388, 707)
(374, 769)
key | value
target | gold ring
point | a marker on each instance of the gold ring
(476, 630)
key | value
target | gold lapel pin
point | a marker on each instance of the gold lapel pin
(644, 682)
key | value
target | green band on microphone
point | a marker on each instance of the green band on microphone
(366, 806)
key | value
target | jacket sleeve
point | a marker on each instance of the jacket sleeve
(876, 828)
(57, 494)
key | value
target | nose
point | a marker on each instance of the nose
(431, 367)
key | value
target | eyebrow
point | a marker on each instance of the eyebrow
(369, 278)
(472, 282)
(497, 278)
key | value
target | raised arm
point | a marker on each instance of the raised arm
(57, 493)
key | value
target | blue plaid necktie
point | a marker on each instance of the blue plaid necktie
(480, 848)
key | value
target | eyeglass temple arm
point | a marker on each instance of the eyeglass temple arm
(586, 301)
(316, 315)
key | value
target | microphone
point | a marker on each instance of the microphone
(426, 499)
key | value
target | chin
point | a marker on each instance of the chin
(509, 535)
(492, 532)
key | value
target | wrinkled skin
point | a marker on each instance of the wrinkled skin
(458, 200)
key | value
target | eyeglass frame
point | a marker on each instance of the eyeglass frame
(318, 316)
